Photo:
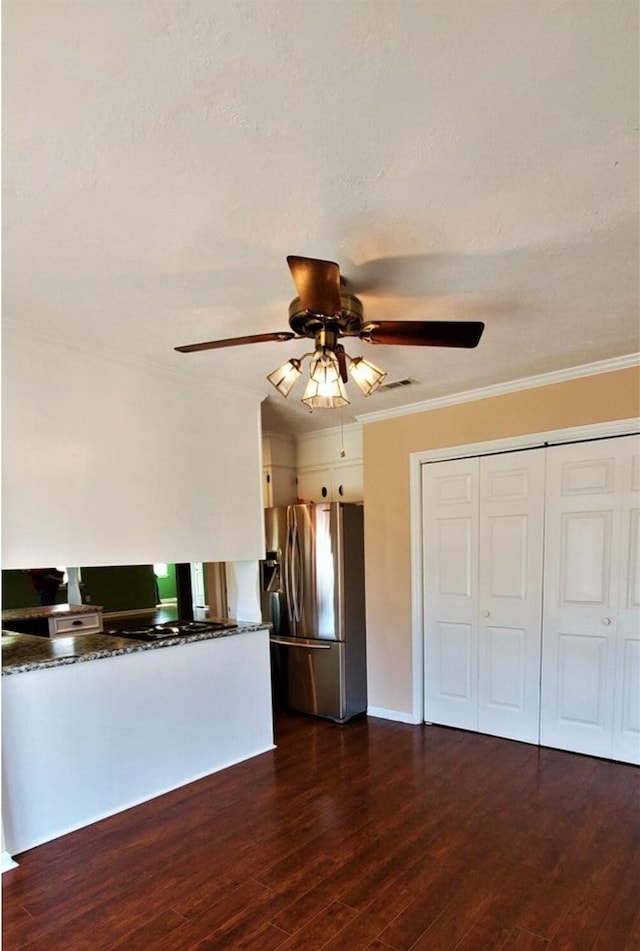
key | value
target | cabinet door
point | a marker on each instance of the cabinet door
(510, 594)
(267, 487)
(283, 485)
(450, 545)
(348, 483)
(589, 658)
(279, 485)
(314, 485)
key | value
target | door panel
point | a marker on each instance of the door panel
(275, 603)
(626, 715)
(630, 695)
(455, 557)
(589, 667)
(450, 540)
(507, 553)
(585, 557)
(587, 477)
(483, 569)
(505, 668)
(511, 500)
(582, 680)
(316, 570)
(316, 678)
(455, 661)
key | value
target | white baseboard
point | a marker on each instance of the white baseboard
(7, 862)
(398, 715)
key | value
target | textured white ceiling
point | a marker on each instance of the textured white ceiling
(460, 160)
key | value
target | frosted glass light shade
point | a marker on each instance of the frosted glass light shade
(325, 389)
(324, 367)
(325, 395)
(367, 376)
(286, 376)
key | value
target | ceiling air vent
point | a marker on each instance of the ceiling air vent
(396, 384)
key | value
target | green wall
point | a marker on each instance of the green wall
(18, 593)
(167, 586)
(121, 588)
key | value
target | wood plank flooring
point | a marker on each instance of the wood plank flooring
(374, 835)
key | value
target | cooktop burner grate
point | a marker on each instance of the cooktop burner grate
(173, 629)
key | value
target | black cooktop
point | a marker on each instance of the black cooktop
(154, 632)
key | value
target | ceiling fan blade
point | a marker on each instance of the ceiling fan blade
(235, 341)
(317, 283)
(423, 333)
(342, 363)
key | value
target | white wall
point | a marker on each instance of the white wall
(206, 705)
(243, 590)
(109, 461)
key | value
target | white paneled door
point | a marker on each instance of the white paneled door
(482, 542)
(510, 594)
(591, 642)
(450, 540)
(531, 572)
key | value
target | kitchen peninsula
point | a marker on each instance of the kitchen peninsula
(93, 724)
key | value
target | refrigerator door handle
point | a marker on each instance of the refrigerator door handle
(288, 570)
(297, 573)
(307, 645)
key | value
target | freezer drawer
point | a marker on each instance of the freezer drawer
(319, 680)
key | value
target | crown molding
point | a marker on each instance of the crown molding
(122, 358)
(332, 431)
(500, 389)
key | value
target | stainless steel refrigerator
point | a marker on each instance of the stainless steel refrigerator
(313, 595)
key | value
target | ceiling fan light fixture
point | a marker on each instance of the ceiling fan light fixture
(325, 394)
(323, 367)
(285, 377)
(324, 312)
(367, 376)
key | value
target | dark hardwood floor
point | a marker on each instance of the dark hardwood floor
(372, 835)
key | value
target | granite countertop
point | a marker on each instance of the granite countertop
(47, 611)
(25, 652)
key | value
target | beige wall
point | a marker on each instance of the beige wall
(387, 447)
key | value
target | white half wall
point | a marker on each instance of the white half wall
(110, 461)
(84, 741)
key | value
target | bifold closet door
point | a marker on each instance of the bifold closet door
(450, 545)
(482, 543)
(626, 703)
(510, 594)
(591, 643)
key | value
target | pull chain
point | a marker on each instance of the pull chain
(342, 450)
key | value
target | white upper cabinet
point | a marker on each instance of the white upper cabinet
(278, 470)
(323, 473)
(339, 483)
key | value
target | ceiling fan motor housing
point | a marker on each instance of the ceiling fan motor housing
(347, 322)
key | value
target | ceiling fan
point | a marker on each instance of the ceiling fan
(325, 312)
